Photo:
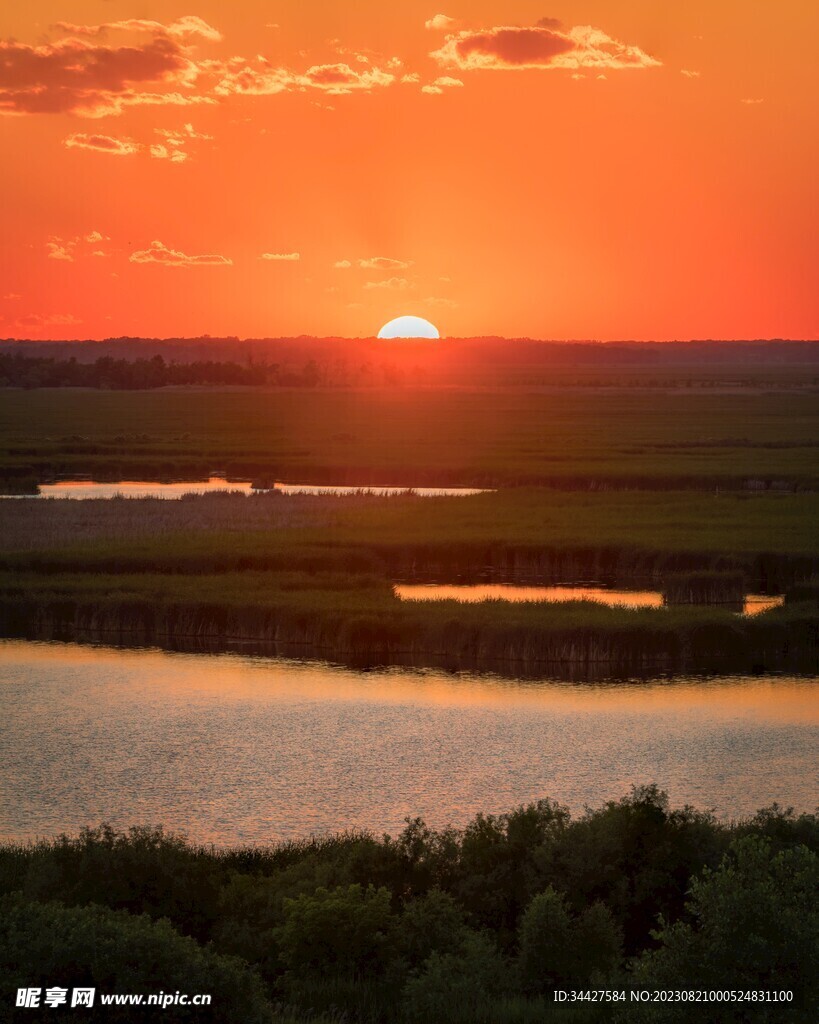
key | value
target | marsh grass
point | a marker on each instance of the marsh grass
(624, 438)
(337, 615)
(626, 531)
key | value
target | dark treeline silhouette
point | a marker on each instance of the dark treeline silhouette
(17, 370)
(368, 362)
(473, 925)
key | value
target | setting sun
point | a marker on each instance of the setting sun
(409, 327)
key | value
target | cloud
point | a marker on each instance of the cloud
(342, 265)
(439, 22)
(751, 102)
(183, 135)
(11, 296)
(188, 27)
(170, 149)
(91, 79)
(398, 284)
(238, 76)
(160, 152)
(175, 139)
(338, 79)
(384, 263)
(40, 321)
(513, 47)
(689, 74)
(101, 70)
(437, 87)
(549, 23)
(102, 144)
(434, 300)
(58, 249)
(159, 253)
(66, 249)
(283, 257)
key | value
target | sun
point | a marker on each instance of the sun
(409, 327)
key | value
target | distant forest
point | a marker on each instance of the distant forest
(141, 363)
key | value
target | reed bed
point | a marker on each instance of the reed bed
(505, 529)
(360, 617)
(38, 524)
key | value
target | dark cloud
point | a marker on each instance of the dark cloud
(514, 45)
(76, 76)
(504, 47)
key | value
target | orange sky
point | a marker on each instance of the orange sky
(503, 169)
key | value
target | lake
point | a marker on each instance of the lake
(236, 749)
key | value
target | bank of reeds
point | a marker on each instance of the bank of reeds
(725, 589)
(358, 619)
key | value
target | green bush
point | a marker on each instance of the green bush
(48, 944)
(559, 949)
(754, 925)
(144, 870)
(342, 930)
(431, 923)
(456, 986)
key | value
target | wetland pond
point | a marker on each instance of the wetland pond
(233, 749)
(85, 489)
(753, 604)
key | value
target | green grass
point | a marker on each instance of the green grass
(567, 438)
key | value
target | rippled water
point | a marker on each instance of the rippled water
(475, 592)
(235, 749)
(79, 489)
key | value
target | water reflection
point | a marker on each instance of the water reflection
(423, 492)
(80, 489)
(237, 749)
(468, 592)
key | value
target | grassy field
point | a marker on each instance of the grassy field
(569, 438)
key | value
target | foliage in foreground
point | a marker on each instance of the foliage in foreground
(476, 925)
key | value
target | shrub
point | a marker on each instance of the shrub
(48, 944)
(754, 925)
(558, 948)
(342, 930)
(455, 986)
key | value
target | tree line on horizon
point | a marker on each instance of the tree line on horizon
(137, 364)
